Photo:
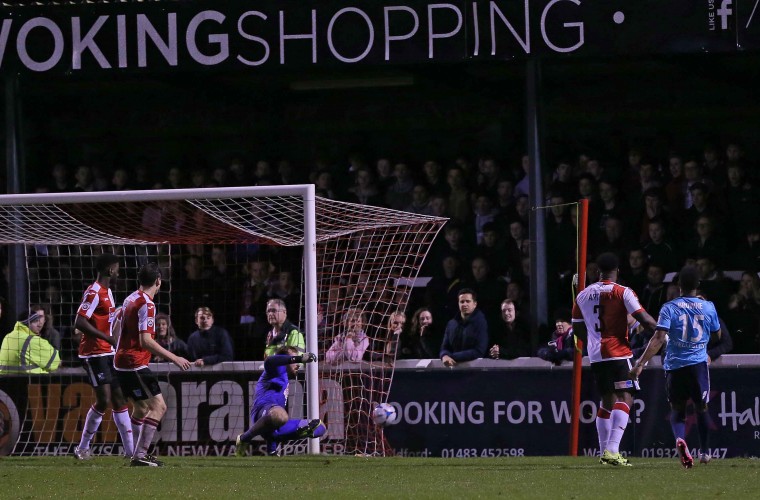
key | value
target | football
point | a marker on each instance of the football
(384, 414)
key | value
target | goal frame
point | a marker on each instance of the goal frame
(305, 191)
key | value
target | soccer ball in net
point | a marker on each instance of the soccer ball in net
(384, 414)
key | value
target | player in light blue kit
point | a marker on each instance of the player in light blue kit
(686, 324)
(269, 417)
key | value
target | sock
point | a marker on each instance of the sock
(248, 435)
(91, 425)
(603, 424)
(121, 418)
(289, 430)
(146, 437)
(678, 423)
(703, 424)
(619, 421)
(137, 425)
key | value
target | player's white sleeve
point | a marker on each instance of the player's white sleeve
(631, 301)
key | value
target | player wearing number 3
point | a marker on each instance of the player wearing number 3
(686, 323)
(600, 320)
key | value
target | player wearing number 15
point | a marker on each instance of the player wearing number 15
(600, 319)
(687, 321)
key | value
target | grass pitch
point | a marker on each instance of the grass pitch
(353, 477)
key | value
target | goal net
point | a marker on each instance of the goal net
(230, 249)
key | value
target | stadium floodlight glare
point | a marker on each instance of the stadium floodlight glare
(348, 257)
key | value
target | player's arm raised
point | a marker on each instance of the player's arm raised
(153, 347)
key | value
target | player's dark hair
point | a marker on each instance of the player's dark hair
(688, 279)
(104, 261)
(607, 262)
(148, 274)
(470, 291)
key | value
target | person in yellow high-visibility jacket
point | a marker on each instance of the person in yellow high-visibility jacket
(24, 351)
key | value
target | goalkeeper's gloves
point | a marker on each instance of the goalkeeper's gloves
(308, 357)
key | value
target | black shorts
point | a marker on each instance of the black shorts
(139, 384)
(690, 382)
(100, 371)
(614, 376)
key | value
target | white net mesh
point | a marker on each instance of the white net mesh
(366, 256)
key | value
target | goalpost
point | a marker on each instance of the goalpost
(353, 259)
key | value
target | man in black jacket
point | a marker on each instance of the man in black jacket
(466, 336)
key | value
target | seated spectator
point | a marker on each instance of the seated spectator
(209, 344)
(654, 294)
(490, 289)
(562, 345)
(713, 284)
(635, 274)
(167, 338)
(422, 340)
(747, 254)
(399, 194)
(384, 175)
(484, 213)
(743, 315)
(653, 210)
(492, 250)
(49, 332)
(743, 198)
(420, 200)
(514, 339)
(352, 342)
(365, 191)
(706, 242)
(659, 249)
(283, 332)
(434, 179)
(24, 351)
(675, 189)
(505, 199)
(392, 339)
(719, 344)
(459, 196)
(562, 182)
(441, 292)
(466, 335)
(59, 180)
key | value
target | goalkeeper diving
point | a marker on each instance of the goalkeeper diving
(269, 417)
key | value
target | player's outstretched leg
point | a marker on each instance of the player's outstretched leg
(683, 452)
(265, 422)
(300, 429)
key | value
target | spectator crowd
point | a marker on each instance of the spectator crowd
(655, 213)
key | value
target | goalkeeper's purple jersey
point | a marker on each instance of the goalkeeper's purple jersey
(272, 387)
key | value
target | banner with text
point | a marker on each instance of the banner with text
(447, 413)
(229, 34)
(460, 413)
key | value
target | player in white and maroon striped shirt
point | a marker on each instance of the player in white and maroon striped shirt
(93, 319)
(137, 343)
(600, 319)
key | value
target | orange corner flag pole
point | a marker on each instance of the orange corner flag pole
(577, 359)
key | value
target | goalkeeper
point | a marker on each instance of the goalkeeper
(269, 417)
